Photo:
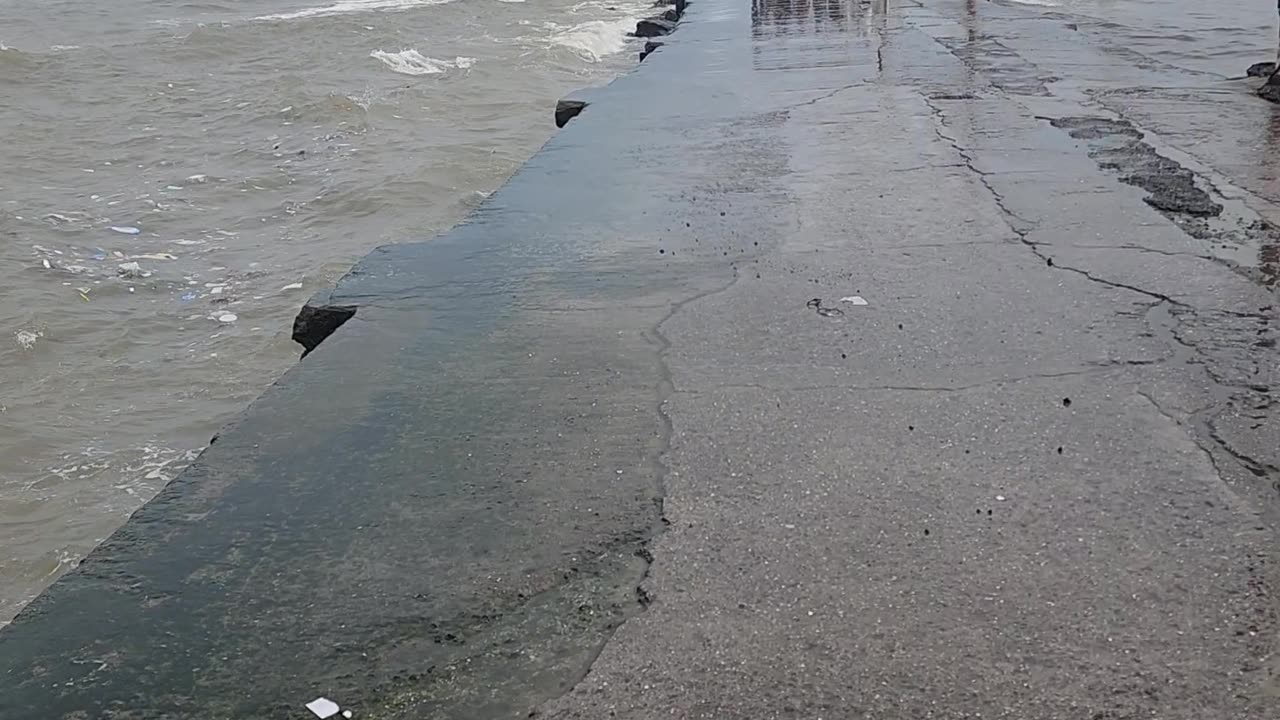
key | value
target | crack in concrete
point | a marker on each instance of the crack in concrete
(1098, 368)
(1177, 309)
(1023, 232)
(824, 96)
(1145, 249)
(1113, 283)
(1257, 467)
(916, 168)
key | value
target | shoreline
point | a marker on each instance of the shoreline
(265, 537)
(87, 453)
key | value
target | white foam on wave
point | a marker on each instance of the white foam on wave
(412, 62)
(344, 7)
(595, 40)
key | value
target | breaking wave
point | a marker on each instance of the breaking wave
(595, 40)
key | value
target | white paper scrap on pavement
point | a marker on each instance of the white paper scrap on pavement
(855, 299)
(323, 708)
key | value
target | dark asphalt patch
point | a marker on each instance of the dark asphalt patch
(1117, 145)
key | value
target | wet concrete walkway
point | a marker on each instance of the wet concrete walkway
(1032, 476)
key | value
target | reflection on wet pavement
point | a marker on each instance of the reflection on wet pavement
(800, 34)
(794, 17)
(1026, 51)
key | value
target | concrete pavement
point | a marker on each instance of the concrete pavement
(1000, 489)
(1031, 477)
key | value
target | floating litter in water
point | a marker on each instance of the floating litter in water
(125, 229)
(323, 708)
(346, 714)
(47, 264)
(27, 339)
(292, 286)
(132, 270)
(855, 299)
(230, 318)
(1000, 498)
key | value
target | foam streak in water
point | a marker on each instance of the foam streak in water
(344, 7)
(412, 62)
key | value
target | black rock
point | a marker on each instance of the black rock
(671, 15)
(1271, 90)
(1262, 69)
(318, 319)
(649, 47)
(567, 110)
(654, 27)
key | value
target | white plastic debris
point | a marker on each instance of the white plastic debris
(125, 229)
(227, 318)
(346, 714)
(46, 263)
(323, 708)
(292, 286)
(1000, 498)
(854, 299)
(132, 270)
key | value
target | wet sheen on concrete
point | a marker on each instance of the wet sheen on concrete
(1032, 477)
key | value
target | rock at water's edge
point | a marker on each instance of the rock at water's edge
(567, 110)
(654, 27)
(317, 320)
(1262, 69)
(1270, 90)
(649, 47)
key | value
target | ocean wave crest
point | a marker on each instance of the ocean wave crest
(344, 7)
(595, 40)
